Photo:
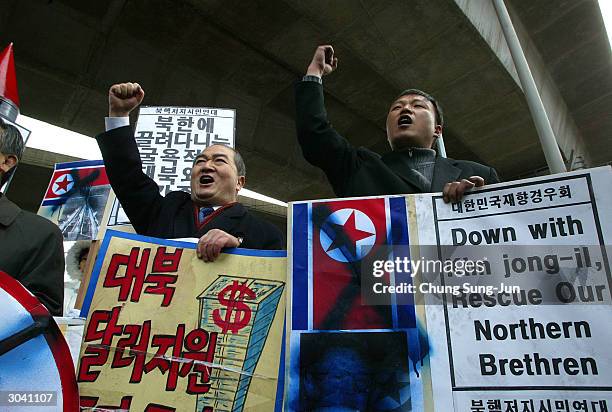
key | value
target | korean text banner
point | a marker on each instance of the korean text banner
(76, 198)
(531, 331)
(170, 138)
(169, 332)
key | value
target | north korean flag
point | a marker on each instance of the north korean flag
(329, 241)
(72, 178)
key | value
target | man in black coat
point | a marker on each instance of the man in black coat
(31, 247)
(211, 212)
(414, 122)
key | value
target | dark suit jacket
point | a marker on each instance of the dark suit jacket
(172, 216)
(32, 251)
(357, 171)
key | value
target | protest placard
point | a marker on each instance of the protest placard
(530, 330)
(76, 198)
(345, 354)
(500, 302)
(167, 331)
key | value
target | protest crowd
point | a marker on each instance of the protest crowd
(200, 302)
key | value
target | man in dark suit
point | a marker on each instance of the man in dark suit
(31, 247)
(414, 122)
(211, 212)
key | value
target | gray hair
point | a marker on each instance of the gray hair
(11, 143)
(239, 162)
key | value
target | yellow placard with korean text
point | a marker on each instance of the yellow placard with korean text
(167, 331)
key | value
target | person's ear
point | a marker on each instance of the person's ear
(437, 134)
(240, 183)
(8, 163)
(437, 130)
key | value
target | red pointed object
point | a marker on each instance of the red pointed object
(8, 81)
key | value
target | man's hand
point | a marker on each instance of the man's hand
(453, 191)
(210, 245)
(323, 62)
(123, 98)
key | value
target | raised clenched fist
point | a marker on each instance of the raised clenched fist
(123, 98)
(323, 62)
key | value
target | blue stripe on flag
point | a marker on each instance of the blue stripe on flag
(80, 163)
(280, 388)
(299, 318)
(52, 202)
(399, 220)
(399, 236)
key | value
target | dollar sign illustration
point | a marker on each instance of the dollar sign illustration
(237, 313)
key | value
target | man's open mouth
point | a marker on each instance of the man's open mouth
(205, 179)
(404, 120)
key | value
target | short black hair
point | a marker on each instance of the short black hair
(436, 105)
(11, 143)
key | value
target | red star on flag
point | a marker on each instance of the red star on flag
(348, 235)
(62, 184)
